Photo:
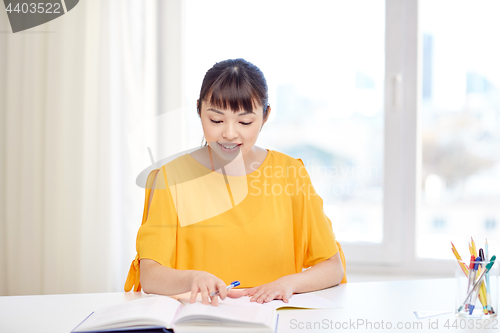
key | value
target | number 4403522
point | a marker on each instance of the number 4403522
(477, 324)
(32, 8)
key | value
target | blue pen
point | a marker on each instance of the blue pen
(232, 285)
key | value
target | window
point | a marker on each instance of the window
(460, 180)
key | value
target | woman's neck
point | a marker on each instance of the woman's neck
(241, 165)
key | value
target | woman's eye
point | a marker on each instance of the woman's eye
(245, 123)
(216, 121)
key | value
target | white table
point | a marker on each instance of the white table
(379, 304)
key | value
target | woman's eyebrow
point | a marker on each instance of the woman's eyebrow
(215, 111)
(245, 113)
(220, 112)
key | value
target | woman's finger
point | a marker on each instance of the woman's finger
(221, 287)
(256, 295)
(262, 298)
(194, 293)
(251, 291)
(204, 295)
(217, 286)
(236, 293)
(215, 300)
(271, 297)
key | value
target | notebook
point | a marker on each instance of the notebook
(163, 314)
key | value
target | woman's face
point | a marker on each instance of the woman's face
(228, 133)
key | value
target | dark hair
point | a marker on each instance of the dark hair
(235, 84)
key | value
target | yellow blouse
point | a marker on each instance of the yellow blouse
(255, 228)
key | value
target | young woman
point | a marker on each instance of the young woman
(232, 210)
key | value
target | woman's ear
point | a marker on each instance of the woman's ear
(268, 111)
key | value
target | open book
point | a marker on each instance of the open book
(162, 313)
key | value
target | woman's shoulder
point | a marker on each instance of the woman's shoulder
(284, 159)
(186, 158)
(177, 162)
(283, 164)
(181, 168)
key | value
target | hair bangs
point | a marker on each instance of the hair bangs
(233, 92)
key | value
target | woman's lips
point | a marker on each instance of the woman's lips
(232, 150)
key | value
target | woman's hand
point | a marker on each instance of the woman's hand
(206, 283)
(281, 288)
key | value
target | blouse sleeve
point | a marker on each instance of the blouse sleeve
(156, 238)
(315, 240)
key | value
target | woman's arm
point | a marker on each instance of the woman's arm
(323, 275)
(158, 279)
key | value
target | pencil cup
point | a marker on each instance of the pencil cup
(481, 301)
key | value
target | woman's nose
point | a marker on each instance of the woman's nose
(230, 132)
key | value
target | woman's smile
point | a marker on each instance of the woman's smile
(229, 147)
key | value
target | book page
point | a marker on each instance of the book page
(243, 314)
(150, 311)
(303, 301)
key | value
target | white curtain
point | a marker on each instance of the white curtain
(71, 92)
